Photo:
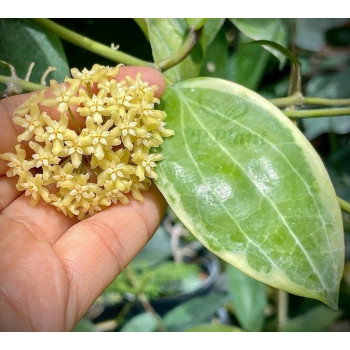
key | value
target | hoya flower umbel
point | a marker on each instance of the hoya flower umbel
(97, 152)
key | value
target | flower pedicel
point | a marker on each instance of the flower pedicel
(83, 169)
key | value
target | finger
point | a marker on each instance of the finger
(9, 130)
(43, 221)
(97, 249)
(8, 191)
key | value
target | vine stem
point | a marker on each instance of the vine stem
(282, 309)
(91, 45)
(144, 300)
(314, 113)
(299, 99)
(344, 205)
(23, 84)
(182, 53)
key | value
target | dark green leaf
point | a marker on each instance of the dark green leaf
(263, 29)
(210, 30)
(23, 42)
(141, 22)
(310, 32)
(166, 37)
(315, 320)
(194, 312)
(247, 64)
(248, 299)
(157, 249)
(214, 328)
(215, 58)
(144, 322)
(331, 85)
(250, 187)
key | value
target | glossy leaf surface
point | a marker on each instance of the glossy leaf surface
(249, 186)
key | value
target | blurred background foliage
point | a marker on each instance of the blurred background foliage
(174, 284)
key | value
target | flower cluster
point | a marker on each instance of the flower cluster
(94, 148)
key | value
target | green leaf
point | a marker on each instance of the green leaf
(85, 325)
(215, 58)
(247, 65)
(166, 36)
(248, 299)
(193, 312)
(23, 42)
(331, 85)
(141, 22)
(196, 23)
(144, 322)
(310, 32)
(210, 29)
(264, 29)
(209, 327)
(157, 250)
(246, 182)
(315, 320)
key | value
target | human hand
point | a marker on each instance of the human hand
(52, 267)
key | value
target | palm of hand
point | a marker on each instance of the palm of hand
(52, 268)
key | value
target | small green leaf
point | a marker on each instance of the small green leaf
(157, 250)
(246, 66)
(210, 29)
(166, 37)
(264, 29)
(248, 299)
(144, 322)
(23, 42)
(141, 22)
(193, 312)
(247, 183)
(214, 328)
(215, 58)
(315, 320)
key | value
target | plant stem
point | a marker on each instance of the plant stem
(282, 309)
(298, 99)
(344, 205)
(144, 300)
(23, 84)
(313, 113)
(180, 54)
(91, 45)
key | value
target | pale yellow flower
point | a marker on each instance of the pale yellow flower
(65, 97)
(145, 163)
(17, 162)
(129, 127)
(98, 158)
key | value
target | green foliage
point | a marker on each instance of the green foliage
(250, 195)
(316, 319)
(166, 36)
(23, 42)
(264, 29)
(166, 279)
(249, 299)
(194, 312)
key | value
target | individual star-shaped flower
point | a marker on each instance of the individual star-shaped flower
(145, 163)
